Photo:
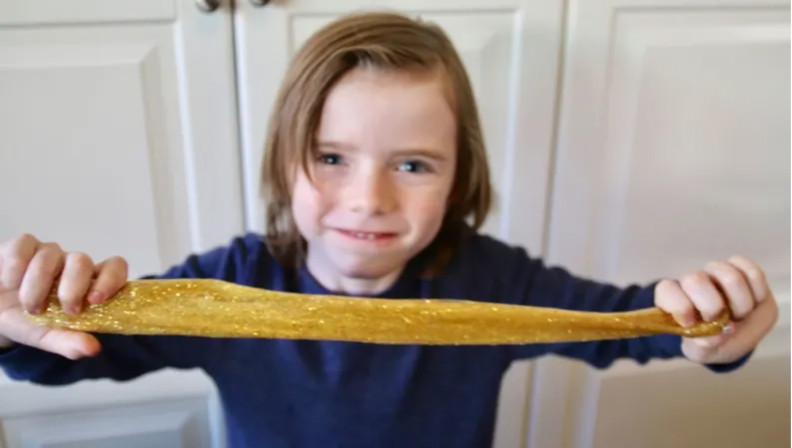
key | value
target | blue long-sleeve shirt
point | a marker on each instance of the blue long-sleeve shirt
(301, 394)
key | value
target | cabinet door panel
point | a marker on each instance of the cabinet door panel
(117, 137)
(673, 150)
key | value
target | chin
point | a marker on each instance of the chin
(366, 269)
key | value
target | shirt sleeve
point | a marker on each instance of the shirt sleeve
(124, 357)
(537, 284)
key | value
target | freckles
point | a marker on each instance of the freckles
(316, 197)
(428, 204)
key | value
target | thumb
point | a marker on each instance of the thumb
(67, 343)
(710, 342)
(742, 337)
(749, 332)
(704, 349)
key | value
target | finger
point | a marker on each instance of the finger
(670, 297)
(747, 334)
(14, 260)
(703, 349)
(709, 342)
(757, 280)
(705, 296)
(735, 286)
(74, 283)
(112, 275)
(41, 272)
(71, 344)
(699, 349)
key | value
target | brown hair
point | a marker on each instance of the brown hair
(387, 41)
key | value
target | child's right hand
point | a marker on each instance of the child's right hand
(28, 268)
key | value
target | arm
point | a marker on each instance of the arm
(124, 358)
(536, 284)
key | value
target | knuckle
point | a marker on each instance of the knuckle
(16, 244)
(14, 263)
(120, 269)
(665, 286)
(48, 267)
(26, 238)
(51, 247)
(663, 294)
(669, 299)
(756, 275)
(79, 260)
(695, 279)
(700, 277)
(731, 278)
(118, 261)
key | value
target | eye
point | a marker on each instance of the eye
(413, 166)
(330, 159)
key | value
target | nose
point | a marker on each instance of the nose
(370, 192)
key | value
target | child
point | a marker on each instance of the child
(375, 164)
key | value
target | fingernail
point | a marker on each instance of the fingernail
(36, 309)
(75, 308)
(95, 296)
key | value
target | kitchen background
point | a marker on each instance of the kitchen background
(630, 139)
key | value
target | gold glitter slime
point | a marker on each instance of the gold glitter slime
(214, 308)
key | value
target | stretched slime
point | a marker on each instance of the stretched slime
(218, 309)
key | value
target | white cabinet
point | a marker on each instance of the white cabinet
(673, 148)
(628, 139)
(117, 136)
(118, 128)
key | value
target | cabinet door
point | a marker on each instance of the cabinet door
(117, 137)
(511, 50)
(673, 150)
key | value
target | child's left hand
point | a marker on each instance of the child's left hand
(738, 285)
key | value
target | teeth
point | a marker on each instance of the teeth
(368, 236)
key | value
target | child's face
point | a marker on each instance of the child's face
(386, 158)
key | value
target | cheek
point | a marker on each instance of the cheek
(308, 205)
(432, 197)
(427, 207)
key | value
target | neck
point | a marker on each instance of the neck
(332, 280)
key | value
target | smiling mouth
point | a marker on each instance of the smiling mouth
(367, 236)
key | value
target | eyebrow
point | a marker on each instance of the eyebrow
(401, 152)
(420, 152)
(331, 145)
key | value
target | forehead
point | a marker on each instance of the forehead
(378, 109)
